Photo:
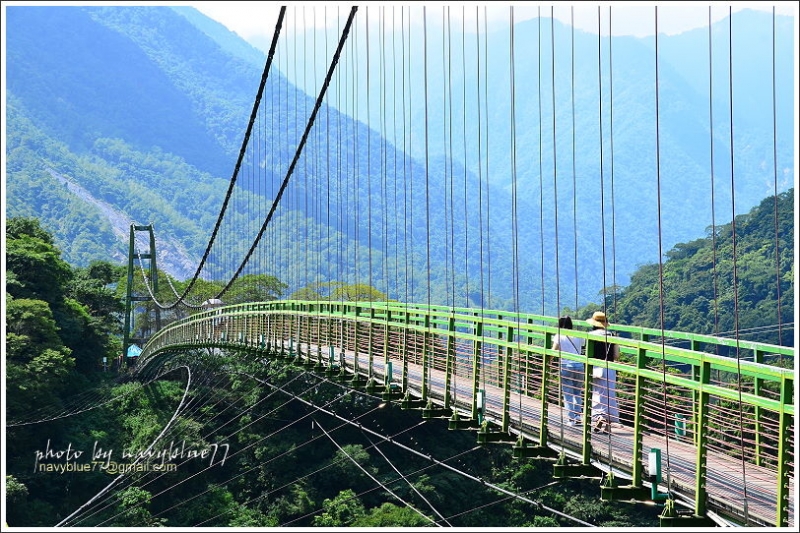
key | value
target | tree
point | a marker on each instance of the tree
(39, 271)
(255, 288)
(391, 515)
(21, 227)
(133, 512)
(94, 287)
(358, 292)
(342, 510)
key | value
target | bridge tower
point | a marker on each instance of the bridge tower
(146, 262)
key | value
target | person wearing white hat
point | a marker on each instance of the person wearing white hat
(605, 409)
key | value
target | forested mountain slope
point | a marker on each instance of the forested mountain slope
(143, 110)
(273, 465)
(694, 287)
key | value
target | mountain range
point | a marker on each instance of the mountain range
(136, 114)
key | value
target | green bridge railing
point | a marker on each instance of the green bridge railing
(725, 424)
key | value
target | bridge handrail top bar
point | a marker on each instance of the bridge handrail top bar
(520, 327)
(653, 350)
(444, 311)
(465, 313)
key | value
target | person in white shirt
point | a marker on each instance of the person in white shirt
(571, 371)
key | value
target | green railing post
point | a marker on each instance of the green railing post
(319, 337)
(406, 320)
(476, 365)
(695, 345)
(301, 332)
(758, 386)
(506, 384)
(785, 459)
(356, 312)
(330, 332)
(546, 359)
(426, 355)
(293, 330)
(586, 452)
(387, 330)
(638, 415)
(702, 441)
(450, 363)
(527, 362)
(370, 337)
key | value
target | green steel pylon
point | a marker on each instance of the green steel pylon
(128, 338)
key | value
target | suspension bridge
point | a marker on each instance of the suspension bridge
(401, 288)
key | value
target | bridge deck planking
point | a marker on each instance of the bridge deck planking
(724, 474)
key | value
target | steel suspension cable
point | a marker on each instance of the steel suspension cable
(466, 188)
(293, 247)
(191, 407)
(408, 161)
(209, 488)
(328, 106)
(300, 146)
(427, 155)
(80, 403)
(447, 130)
(464, 140)
(713, 200)
(775, 187)
(362, 493)
(346, 421)
(541, 153)
(275, 160)
(282, 240)
(426, 348)
(488, 181)
(305, 219)
(574, 178)
(355, 48)
(242, 152)
(661, 298)
(374, 479)
(555, 158)
(408, 193)
(340, 187)
(611, 154)
(405, 478)
(394, 163)
(514, 214)
(384, 218)
(488, 203)
(262, 160)
(555, 212)
(451, 221)
(150, 447)
(734, 265)
(610, 385)
(446, 466)
(369, 170)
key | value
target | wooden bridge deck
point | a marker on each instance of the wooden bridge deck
(727, 479)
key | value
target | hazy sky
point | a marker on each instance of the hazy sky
(255, 21)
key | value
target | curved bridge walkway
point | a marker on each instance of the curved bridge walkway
(719, 429)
